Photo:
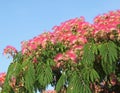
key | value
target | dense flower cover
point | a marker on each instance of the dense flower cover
(76, 32)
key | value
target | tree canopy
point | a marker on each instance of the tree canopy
(75, 57)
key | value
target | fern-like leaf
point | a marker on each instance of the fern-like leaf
(29, 77)
(61, 81)
(44, 74)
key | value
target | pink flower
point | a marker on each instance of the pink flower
(2, 78)
(71, 55)
(58, 57)
(82, 40)
(72, 39)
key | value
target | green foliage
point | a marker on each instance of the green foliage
(60, 48)
(6, 87)
(77, 85)
(108, 53)
(13, 71)
(90, 75)
(89, 56)
(44, 74)
(61, 82)
(74, 84)
(29, 77)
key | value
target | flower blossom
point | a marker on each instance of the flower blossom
(58, 58)
(2, 78)
(70, 54)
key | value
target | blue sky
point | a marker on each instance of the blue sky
(23, 19)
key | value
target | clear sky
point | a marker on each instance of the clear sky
(23, 19)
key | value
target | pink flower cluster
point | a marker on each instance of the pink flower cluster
(10, 50)
(68, 55)
(2, 78)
